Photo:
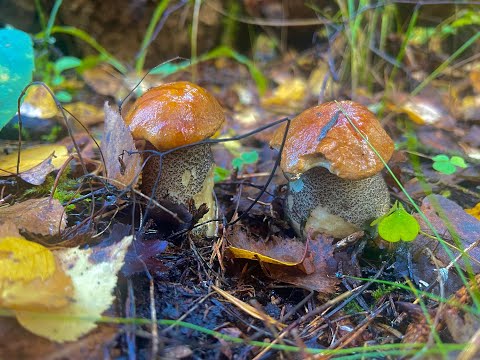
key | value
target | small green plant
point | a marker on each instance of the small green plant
(245, 158)
(397, 225)
(241, 159)
(442, 163)
(220, 174)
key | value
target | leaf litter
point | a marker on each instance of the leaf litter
(180, 272)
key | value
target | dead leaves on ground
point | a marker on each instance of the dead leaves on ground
(39, 216)
(461, 234)
(309, 265)
(35, 162)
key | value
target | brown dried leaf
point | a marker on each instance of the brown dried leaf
(87, 114)
(121, 168)
(320, 255)
(451, 222)
(19, 343)
(286, 252)
(39, 216)
(104, 80)
(310, 265)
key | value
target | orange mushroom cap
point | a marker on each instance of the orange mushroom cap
(175, 114)
(323, 136)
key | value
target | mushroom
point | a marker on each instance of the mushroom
(335, 186)
(170, 116)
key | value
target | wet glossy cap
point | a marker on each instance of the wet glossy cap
(323, 136)
(175, 114)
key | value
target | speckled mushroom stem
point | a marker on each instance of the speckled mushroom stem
(185, 174)
(322, 202)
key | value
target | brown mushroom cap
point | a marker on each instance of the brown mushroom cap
(323, 136)
(175, 114)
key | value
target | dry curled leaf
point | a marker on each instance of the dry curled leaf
(40, 216)
(309, 264)
(121, 168)
(321, 277)
(35, 162)
(287, 252)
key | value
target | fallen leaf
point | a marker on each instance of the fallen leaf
(87, 114)
(104, 80)
(470, 108)
(457, 228)
(424, 109)
(122, 168)
(323, 276)
(35, 162)
(475, 211)
(474, 77)
(30, 278)
(287, 252)
(289, 94)
(18, 343)
(39, 216)
(94, 276)
(38, 103)
(310, 265)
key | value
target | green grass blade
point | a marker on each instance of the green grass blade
(82, 35)
(157, 14)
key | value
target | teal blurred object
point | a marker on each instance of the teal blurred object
(16, 69)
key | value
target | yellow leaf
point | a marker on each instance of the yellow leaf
(86, 113)
(251, 255)
(94, 275)
(38, 103)
(475, 211)
(30, 279)
(22, 260)
(291, 93)
(31, 157)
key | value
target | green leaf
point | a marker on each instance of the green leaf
(458, 161)
(399, 225)
(441, 157)
(220, 174)
(65, 63)
(63, 96)
(445, 167)
(250, 157)
(16, 68)
(448, 166)
(237, 163)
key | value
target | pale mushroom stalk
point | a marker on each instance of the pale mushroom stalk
(173, 116)
(335, 185)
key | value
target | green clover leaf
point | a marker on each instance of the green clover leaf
(398, 225)
(245, 158)
(442, 163)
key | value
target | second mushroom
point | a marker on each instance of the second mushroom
(335, 186)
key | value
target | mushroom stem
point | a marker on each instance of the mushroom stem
(185, 174)
(323, 202)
